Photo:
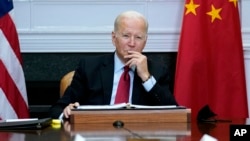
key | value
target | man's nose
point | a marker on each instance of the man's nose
(132, 41)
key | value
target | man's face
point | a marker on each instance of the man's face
(131, 35)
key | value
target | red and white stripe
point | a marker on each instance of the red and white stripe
(13, 95)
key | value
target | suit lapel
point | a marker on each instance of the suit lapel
(137, 89)
(107, 74)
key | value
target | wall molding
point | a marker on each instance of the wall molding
(89, 42)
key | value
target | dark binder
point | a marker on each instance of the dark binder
(26, 125)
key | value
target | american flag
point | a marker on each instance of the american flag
(13, 95)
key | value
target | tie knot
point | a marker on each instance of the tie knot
(126, 68)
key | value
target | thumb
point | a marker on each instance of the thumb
(76, 104)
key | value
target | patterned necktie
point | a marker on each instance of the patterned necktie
(122, 93)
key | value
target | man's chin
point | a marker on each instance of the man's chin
(126, 60)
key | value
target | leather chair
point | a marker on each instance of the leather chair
(66, 81)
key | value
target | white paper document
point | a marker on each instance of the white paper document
(21, 119)
(126, 106)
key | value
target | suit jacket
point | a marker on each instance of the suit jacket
(93, 82)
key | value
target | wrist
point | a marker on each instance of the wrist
(147, 78)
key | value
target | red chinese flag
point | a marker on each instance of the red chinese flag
(210, 65)
(13, 96)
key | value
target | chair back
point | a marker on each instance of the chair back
(65, 82)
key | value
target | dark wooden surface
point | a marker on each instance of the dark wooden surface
(129, 132)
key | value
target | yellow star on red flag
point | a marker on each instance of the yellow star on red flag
(234, 1)
(191, 7)
(214, 13)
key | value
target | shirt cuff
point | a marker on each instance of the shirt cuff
(148, 85)
(61, 117)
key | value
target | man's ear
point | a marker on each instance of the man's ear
(113, 37)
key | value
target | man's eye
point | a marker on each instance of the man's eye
(125, 35)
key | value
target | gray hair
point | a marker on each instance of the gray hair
(134, 14)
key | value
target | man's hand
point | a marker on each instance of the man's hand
(67, 110)
(140, 62)
(67, 126)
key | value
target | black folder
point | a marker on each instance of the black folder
(26, 125)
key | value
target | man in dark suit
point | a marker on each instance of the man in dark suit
(96, 78)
